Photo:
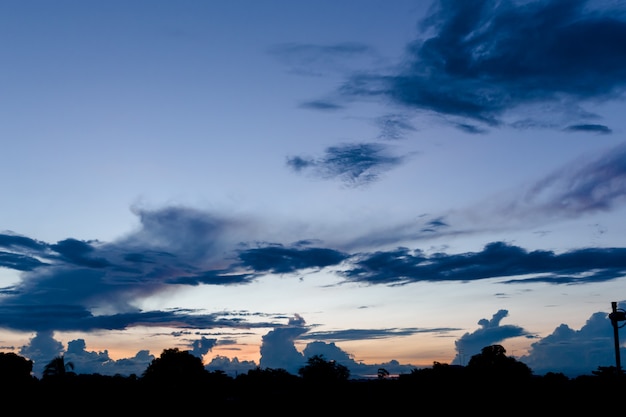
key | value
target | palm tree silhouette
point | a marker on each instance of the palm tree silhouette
(57, 367)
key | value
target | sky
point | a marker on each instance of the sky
(384, 183)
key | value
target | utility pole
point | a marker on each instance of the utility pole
(616, 316)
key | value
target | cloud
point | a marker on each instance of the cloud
(595, 183)
(490, 333)
(394, 126)
(41, 349)
(568, 351)
(278, 259)
(202, 346)
(574, 352)
(369, 334)
(317, 60)
(589, 128)
(89, 285)
(321, 105)
(93, 285)
(482, 60)
(232, 367)
(278, 350)
(565, 350)
(86, 362)
(496, 260)
(353, 164)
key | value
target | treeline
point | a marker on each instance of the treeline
(177, 382)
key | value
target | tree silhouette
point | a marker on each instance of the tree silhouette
(175, 367)
(319, 370)
(382, 373)
(15, 368)
(58, 368)
(492, 362)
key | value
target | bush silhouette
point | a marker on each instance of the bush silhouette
(15, 369)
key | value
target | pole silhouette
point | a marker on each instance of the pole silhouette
(616, 316)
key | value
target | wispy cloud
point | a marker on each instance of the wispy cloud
(317, 60)
(354, 164)
(368, 334)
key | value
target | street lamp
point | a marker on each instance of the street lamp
(617, 315)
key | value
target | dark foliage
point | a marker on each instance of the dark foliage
(15, 369)
(320, 371)
(175, 367)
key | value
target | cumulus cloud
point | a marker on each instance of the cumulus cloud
(574, 352)
(278, 350)
(491, 332)
(566, 350)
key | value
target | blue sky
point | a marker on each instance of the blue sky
(388, 184)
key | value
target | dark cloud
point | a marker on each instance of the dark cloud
(353, 164)
(77, 253)
(321, 105)
(67, 317)
(12, 241)
(435, 225)
(75, 282)
(202, 346)
(589, 128)
(93, 285)
(496, 260)
(218, 277)
(280, 260)
(19, 262)
(368, 334)
(478, 60)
